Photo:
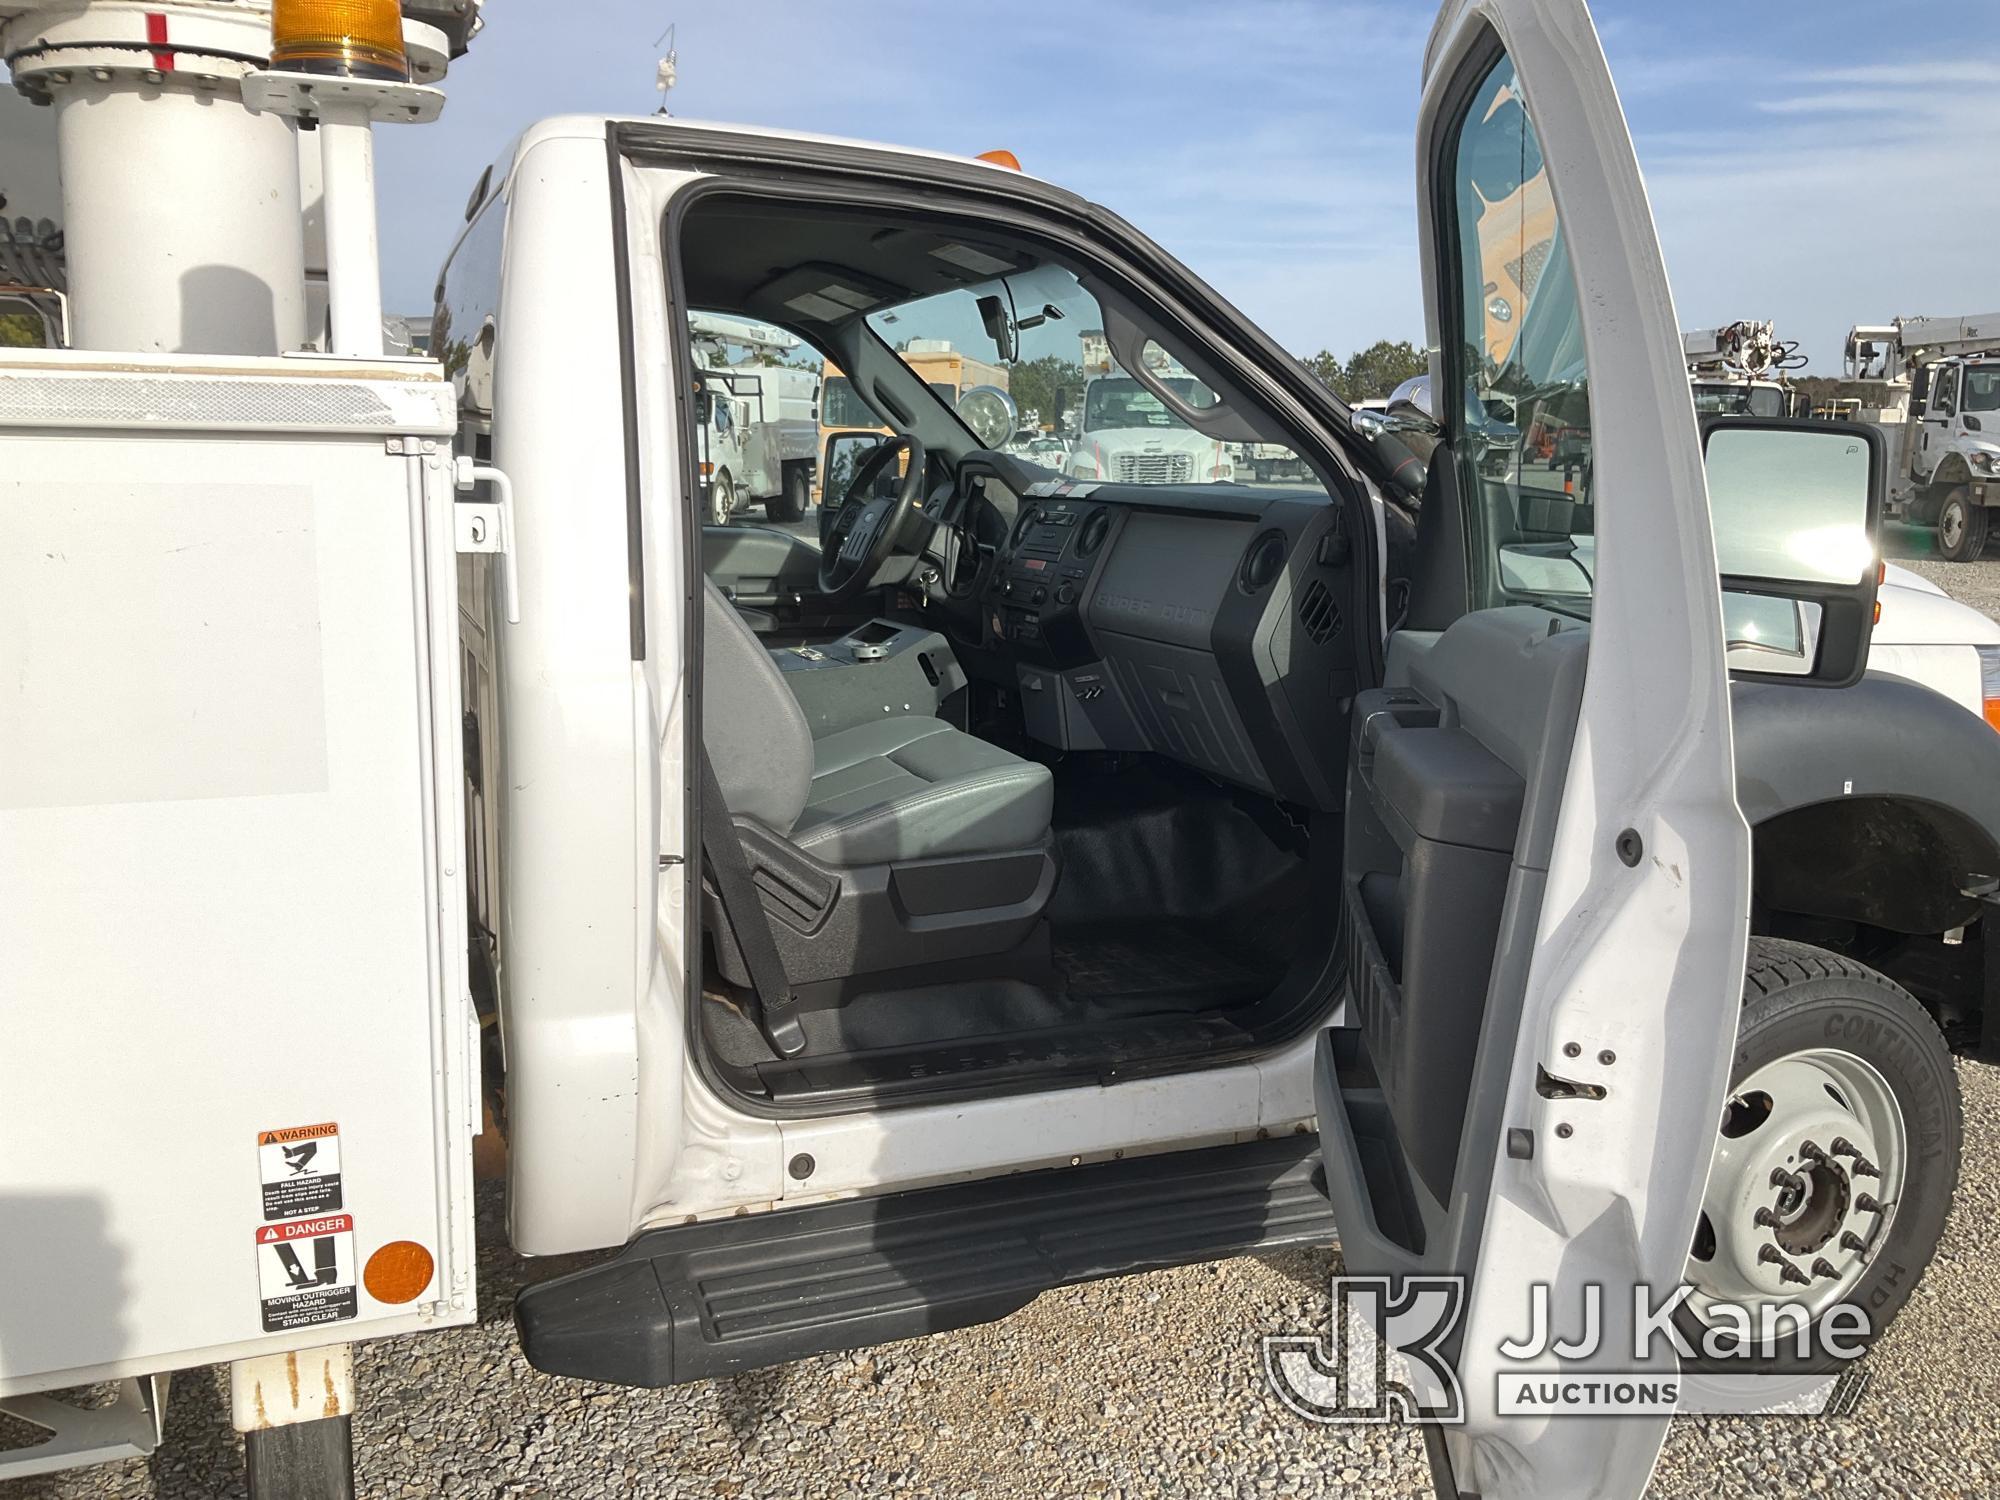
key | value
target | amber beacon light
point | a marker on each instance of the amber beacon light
(341, 38)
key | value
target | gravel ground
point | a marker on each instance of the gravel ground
(1148, 1385)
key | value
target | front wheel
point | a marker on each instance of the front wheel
(1836, 1159)
(721, 499)
(1961, 526)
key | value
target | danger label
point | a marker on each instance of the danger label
(300, 1170)
(305, 1272)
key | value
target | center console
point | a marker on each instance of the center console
(879, 670)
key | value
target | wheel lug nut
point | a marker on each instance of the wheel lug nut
(1764, 1219)
(1863, 1167)
(1811, 1152)
(1867, 1204)
(1823, 1268)
(1787, 1272)
(1843, 1147)
(1849, 1240)
(1780, 1178)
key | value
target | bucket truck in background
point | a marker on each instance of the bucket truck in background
(1937, 384)
(1740, 369)
(758, 424)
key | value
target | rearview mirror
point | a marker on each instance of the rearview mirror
(998, 322)
(1796, 504)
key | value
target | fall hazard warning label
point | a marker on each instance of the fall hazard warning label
(300, 1168)
(305, 1271)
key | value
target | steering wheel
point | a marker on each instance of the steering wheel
(863, 534)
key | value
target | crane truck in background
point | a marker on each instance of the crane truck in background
(1935, 388)
(1741, 368)
(757, 418)
(358, 707)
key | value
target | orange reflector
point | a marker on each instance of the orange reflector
(343, 38)
(1002, 158)
(1878, 612)
(1992, 707)
(398, 1272)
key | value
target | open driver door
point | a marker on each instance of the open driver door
(1546, 882)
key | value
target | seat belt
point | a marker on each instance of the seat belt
(777, 1006)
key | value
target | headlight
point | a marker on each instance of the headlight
(1989, 683)
(1222, 473)
(1983, 461)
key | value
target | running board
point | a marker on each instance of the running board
(701, 1300)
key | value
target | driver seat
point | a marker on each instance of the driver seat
(898, 843)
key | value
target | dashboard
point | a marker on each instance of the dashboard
(1217, 625)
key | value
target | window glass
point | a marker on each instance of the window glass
(1079, 411)
(1522, 430)
(24, 325)
(1982, 390)
(1943, 389)
(841, 405)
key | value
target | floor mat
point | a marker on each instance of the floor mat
(1153, 960)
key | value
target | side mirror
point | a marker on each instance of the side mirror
(1796, 505)
(842, 459)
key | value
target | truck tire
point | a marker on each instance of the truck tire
(721, 499)
(304, 1461)
(1835, 1059)
(790, 502)
(1961, 526)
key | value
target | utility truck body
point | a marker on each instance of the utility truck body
(1936, 387)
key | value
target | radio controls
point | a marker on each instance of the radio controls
(1066, 594)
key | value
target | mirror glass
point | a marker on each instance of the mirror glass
(845, 453)
(1768, 633)
(1790, 504)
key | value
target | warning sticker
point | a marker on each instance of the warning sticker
(300, 1168)
(305, 1272)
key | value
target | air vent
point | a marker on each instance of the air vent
(1263, 562)
(1021, 524)
(1319, 616)
(1095, 526)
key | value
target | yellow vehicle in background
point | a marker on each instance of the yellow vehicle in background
(944, 369)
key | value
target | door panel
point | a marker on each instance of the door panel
(1544, 859)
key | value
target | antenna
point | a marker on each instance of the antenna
(668, 73)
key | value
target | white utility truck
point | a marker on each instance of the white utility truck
(1742, 368)
(757, 424)
(1100, 875)
(1937, 385)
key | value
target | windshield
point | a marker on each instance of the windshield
(1120, 401)
(841, 407)
(1981, 391)
(1077, 409)
(1740, 400)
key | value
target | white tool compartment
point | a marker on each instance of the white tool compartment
(237, 1053)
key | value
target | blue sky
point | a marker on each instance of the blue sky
(1820, 162)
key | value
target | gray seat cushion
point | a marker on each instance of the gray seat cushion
(910, 788)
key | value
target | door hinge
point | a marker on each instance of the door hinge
(488, 525)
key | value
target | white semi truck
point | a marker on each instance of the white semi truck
(378, 735)
(758, 423)
(1137, 431)
(1936, 383)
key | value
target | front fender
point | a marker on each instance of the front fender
(1883, 737)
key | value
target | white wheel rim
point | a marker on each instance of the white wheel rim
(1824, 1218)
(1951, 525)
